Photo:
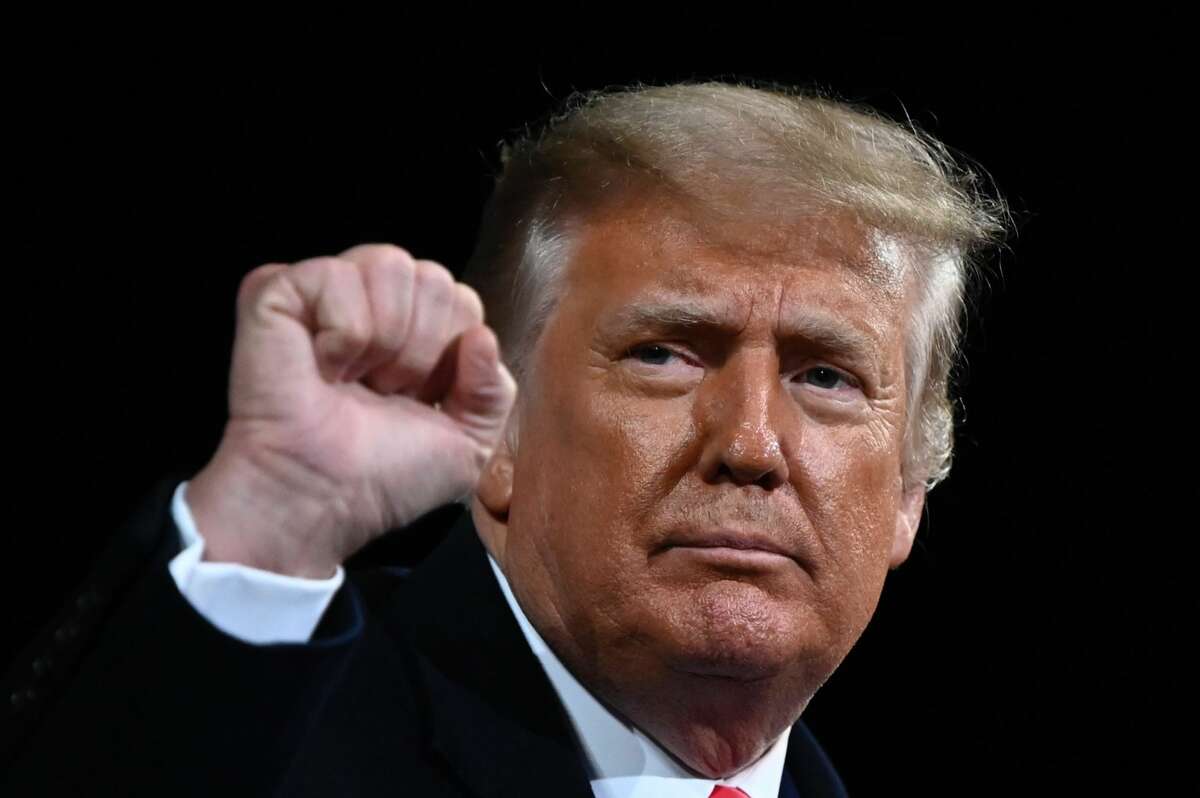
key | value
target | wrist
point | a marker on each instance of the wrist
(250, 513)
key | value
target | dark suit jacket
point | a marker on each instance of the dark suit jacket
(416, 683)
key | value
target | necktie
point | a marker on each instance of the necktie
(721, 791)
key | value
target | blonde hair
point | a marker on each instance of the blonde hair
(748, 151)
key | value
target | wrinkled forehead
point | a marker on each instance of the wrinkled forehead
(668, 233)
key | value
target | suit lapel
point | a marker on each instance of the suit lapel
(494, 717)
(808, 773)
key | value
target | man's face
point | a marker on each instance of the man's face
(707, 484)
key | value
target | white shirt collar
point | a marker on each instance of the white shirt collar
(624, 762)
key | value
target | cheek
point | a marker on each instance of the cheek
(850, 490)
(597, 462)
(650, 441)
(627, 450)
(593, 469)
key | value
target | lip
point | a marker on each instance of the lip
(736, 545)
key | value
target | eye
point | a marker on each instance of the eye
(827, 378)
(653, 354)
(663, 366)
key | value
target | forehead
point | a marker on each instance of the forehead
(660, 248)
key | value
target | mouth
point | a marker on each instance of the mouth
(743, 549)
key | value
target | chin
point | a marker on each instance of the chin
(734, 631)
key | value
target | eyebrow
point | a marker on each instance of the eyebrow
(826, 330)
(678, 313)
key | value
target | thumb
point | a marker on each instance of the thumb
(483, 390)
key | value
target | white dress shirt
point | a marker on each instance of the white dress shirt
(263, 607)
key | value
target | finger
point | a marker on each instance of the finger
(483, 391)
(468, 309)
(336, 309)
(466, 314)
(389, 275)
(253, 285)
(428, 335)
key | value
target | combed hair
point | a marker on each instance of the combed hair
(742, 151)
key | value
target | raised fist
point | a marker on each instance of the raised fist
(365, 391)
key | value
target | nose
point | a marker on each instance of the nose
(742, 415)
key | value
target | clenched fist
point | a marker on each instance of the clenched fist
(365, 391)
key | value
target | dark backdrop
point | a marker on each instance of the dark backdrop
(1036, 631)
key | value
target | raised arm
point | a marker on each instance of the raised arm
(365, 391)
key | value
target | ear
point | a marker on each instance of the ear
(493, 497)
(908, 519)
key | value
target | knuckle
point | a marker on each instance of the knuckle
(253, 280)
(378, 254)
(390, 306)
(263, 271)
(388, 280)
(434, 275)
(321, 269)
(327, 263)
(469, 300)
(256, 285)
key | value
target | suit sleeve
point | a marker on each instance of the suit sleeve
(131, 689)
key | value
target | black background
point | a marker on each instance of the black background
(1034, 641)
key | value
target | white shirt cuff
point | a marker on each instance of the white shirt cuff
(252, 605)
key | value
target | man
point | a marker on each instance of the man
(731, 314)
